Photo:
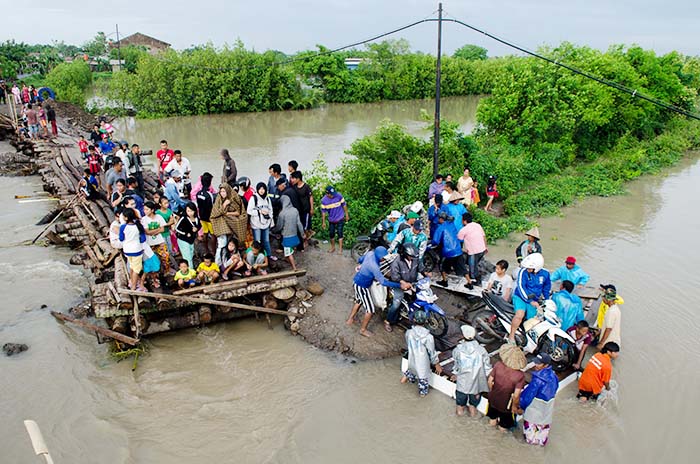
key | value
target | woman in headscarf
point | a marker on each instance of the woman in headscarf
(261, 220)
(230, 173)
(228, 218)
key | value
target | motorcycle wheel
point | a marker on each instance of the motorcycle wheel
(560, 350)
(480, 321)
(428, 262)
(359, 249)
(437, 324)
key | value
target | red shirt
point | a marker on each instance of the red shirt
(165, 157)
(83, 146)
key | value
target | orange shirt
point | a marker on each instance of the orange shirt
(596, 374)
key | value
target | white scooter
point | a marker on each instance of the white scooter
(540, 334)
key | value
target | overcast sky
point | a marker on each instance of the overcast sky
(295, 25)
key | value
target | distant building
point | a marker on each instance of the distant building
(152, 45)
(353, 63)
(116, 65)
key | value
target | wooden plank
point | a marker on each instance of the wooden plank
(102, 330)
(208, 301)
(223, 286)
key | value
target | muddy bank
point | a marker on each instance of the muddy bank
(324, 323)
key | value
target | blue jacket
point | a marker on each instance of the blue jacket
(446, 236)
(456, 211)
(369, 272)
(569, 308)
(173, 196)
(433, 212)
(575, 275)
(531, 286)
(543, 385)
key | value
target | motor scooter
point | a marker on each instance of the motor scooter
(540, 334)
(422, 297)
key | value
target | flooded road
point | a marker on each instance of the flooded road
(239, 392)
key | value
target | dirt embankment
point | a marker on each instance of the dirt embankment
(324, 324)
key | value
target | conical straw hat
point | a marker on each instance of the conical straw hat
(535, 232)
(512, 356)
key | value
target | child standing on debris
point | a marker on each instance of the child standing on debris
(421, 354)
(133, 236)
(83, 147)
(186, 231)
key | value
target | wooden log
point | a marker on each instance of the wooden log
(99, 214)
(205, 301)
(101, 330)
(121, 279)
(114, 294)
(97, 263)
(221, 286)
(258, 287)
(68, 185)
(87, 224)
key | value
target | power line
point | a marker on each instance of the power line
(613, 84)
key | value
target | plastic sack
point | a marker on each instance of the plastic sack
(609, 398)
(379, 294)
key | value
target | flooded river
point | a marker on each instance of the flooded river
(239, 392)
(257, 140)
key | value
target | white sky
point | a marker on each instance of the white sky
(295, 25)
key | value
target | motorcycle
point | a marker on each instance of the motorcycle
(424, 298)
(364, 243)
(540, 334)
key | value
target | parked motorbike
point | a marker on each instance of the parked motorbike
(364, 243)
(540, 334)
(424, 298)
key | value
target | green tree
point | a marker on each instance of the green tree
(70, 81)
(471, 52)
(97, 46)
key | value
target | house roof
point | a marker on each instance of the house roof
(138, 37)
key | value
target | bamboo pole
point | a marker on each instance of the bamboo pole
(205, 301)
(102, 330)
(224, 286)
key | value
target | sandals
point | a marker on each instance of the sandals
(388, 327)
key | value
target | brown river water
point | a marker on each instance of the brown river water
(239, 392)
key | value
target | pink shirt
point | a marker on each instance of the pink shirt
(473, 237)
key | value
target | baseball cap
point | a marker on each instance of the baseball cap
(570, 260)
(281, 181)
(394, 215)
(418, 225)
(412, 215)
(330, 189)
(543, 358)
(175, 174)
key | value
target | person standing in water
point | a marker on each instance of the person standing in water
(230, 173)
(537, 401)
(421, 354)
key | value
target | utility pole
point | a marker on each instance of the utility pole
(436, 135)
(119, 50)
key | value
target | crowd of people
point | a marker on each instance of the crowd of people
(190, 232)
(36, 115)
(448, 226)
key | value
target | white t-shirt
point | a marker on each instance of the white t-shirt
(612, 320)
(500, 284)
(183, 167)
(151, 224)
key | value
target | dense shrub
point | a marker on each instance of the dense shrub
(70, 81)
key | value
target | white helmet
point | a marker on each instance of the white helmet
(416, 207)
(533, 261)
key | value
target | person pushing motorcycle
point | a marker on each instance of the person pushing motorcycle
(402, 270)
(533, 282)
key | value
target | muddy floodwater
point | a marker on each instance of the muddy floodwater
(239, 392)
(257, 140)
